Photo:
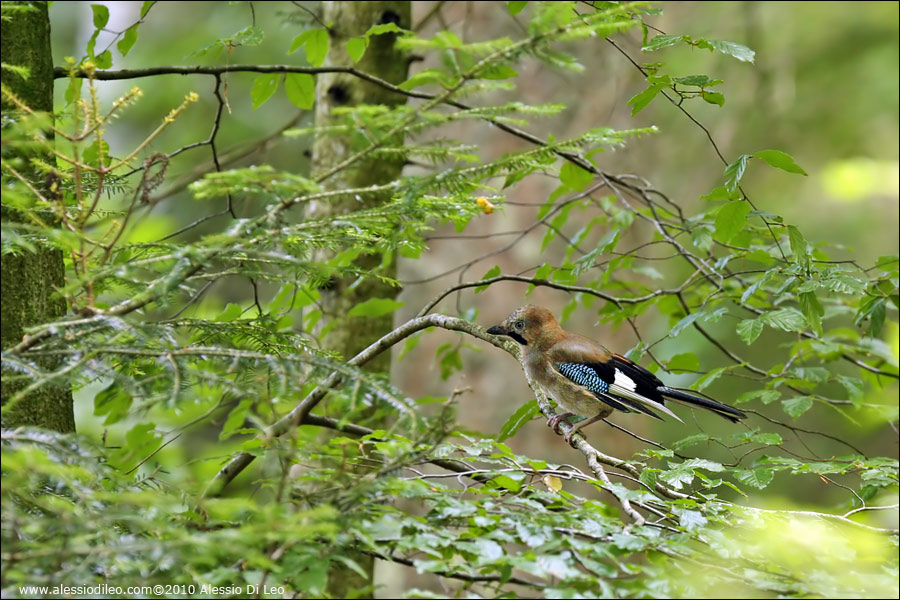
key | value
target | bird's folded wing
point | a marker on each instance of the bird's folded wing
(618, 381)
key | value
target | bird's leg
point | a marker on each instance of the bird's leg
(579, 425)
(555, 420)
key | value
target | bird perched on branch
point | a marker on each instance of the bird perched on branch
(586, 379)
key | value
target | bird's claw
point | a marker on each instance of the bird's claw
(555, 420)
(553, 423)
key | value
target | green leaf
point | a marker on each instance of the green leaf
(708, 379)
(375, 307)
(845, 283)
(854, 386)
(758, 478)
(544, 271)
(101, 15)
(684, 362)
(761, 281)
(768, 439)
(702, 463)
(780, 160)
(236, 418)
(493, 272)
(574, 176)
(691, 440)
(742, 53)
(103, 60)
(713, 98)
(356, 47)
(608, 242)
(810, 285)
(128, 39)
(875, 310)
(661, 41)
(431, 399)
(263, 88)
(142, 439)
(812, 310)
(232, 311)
(811, 374)
(313, 578)
(73, 89)
(798, 246)
(409, 345)
(701, 237)
(92, 43)
(680, 326)
(450, 360)
(755, 436)
(114, 402)
(635, 353)
(425, 77)
(765, 396)
(523, 414)
(300, 89)
(382, 28)
(505, 482)
(734, 172)
(91, 154)
(317, 48)
(248, 36)
(627, 542)
(315, 43)
(889, 263)
(797, 406)
(639, 101)
(648, 476)
(730, 219)
(515, 6)
(683, 473)
(700, 81)
(719, 194)
(749, 329)
(498, 72)
(692, 519)
(786, 319)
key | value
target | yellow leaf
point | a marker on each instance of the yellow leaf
(553, 483)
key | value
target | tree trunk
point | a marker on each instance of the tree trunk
(30, 280)
(350, 19)
(382, 59)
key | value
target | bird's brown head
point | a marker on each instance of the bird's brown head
(527, 324)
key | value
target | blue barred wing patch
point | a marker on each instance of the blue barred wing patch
(583, 375)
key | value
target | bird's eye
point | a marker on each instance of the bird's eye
(520, 325)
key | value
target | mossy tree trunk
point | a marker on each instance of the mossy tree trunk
(30, 280)
(350, 19)
(349, 336)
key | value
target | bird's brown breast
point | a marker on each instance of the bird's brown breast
(570, 396)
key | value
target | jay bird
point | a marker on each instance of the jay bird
(586, 379)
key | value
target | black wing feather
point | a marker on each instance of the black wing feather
(646, 384)
(606, 372)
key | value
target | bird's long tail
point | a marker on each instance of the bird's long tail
(723, 410)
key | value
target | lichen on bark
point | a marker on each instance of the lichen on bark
(30, 280)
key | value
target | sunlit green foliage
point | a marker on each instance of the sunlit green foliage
(425, 493)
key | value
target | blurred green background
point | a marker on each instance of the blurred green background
(824, 88)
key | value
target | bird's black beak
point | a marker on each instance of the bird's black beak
(501, 330)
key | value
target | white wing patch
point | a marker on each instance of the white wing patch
(624, 381)
(618, 390)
